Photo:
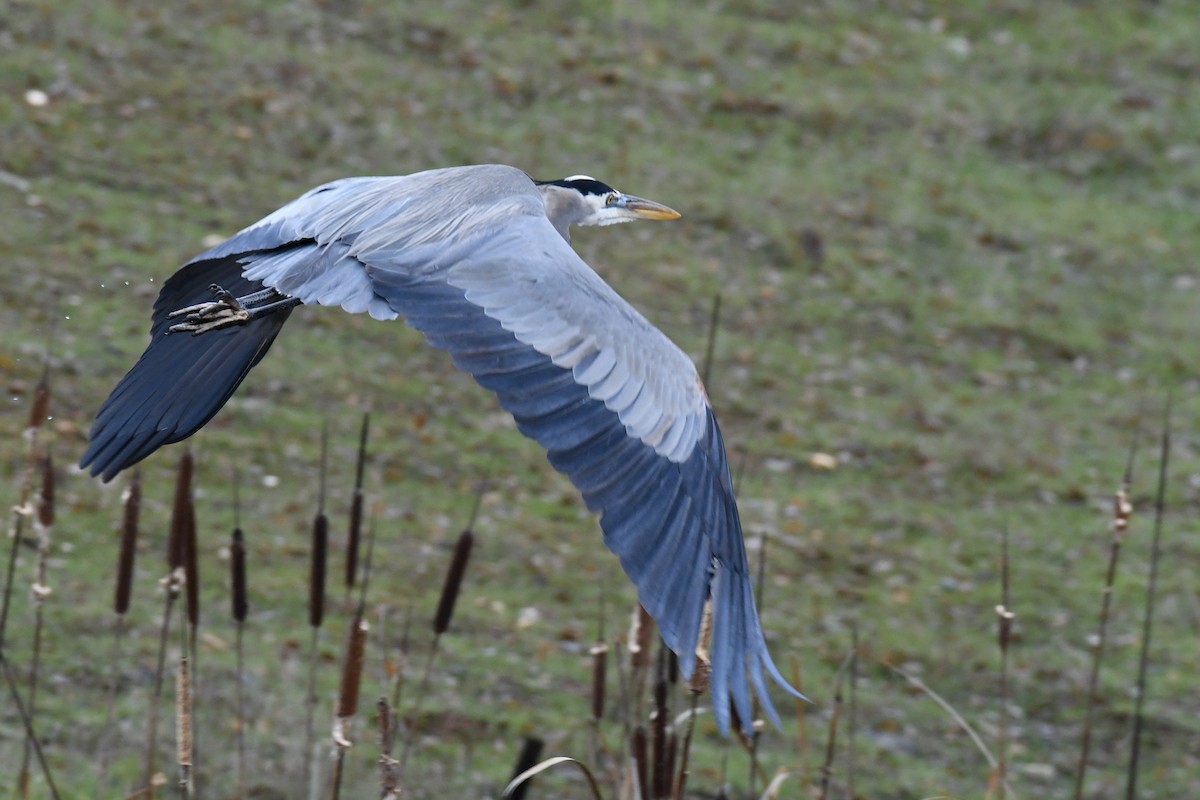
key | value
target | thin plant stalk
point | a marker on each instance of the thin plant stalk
(1122, 511)
(15, 692)
(184, 744)
(831, 741)
(1148, 618)
(316, 612)
(37, 418)
(240, 608)
(40, 591)
(852, 723)
(1005, 617)
(131, 510)
(801, 726)
(352, 670)
(441, 623)
(173, 583)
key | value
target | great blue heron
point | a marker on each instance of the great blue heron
(479, 260)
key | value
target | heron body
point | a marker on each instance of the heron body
(478, 259)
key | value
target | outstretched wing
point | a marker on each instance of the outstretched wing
(181, 380)
(619, 408)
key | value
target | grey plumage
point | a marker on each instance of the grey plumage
(478, 259)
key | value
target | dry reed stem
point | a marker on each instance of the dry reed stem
(1004, 623)
(545, 765)
(852, 723)
(130, 511)
(441, 618)
(37, 417)
(831, 740)
(39, 592)
(183, 726)
(1148, 617)
(389, 781)
(172, 584)
(681, 775)
(27, 722)
(240, 608)
(965, 726)
(801, 725)
(1122, 512)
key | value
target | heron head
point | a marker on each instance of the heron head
(583, 200)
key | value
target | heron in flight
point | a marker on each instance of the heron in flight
(479, 260)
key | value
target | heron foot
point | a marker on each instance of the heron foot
(222, 312)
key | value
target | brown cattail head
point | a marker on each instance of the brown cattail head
(237, 566)
(353, 538)
(316, 571)
(129, 532)
(183, 494)
(46, 506)
(191, 565)
(641, 632)
(454, 577)
(40, 410)
(352, 669)
(599, 653)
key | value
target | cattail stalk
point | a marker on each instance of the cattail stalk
(831, 742)
(183, 726)
(441, 619)
(130, 511)
(27, 722)
(389, 780)
(173, 583)
(316, 607)
(40, 591)
(1122, 512)
(237, 566)
(37, 417)
(1148, 618)
(1004, 617)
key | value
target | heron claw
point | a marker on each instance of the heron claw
(226, 310)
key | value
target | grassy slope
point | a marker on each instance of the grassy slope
(1006, 200)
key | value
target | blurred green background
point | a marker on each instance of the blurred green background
(955, 244)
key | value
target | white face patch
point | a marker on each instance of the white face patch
(579, 178)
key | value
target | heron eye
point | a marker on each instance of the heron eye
(612, 198)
